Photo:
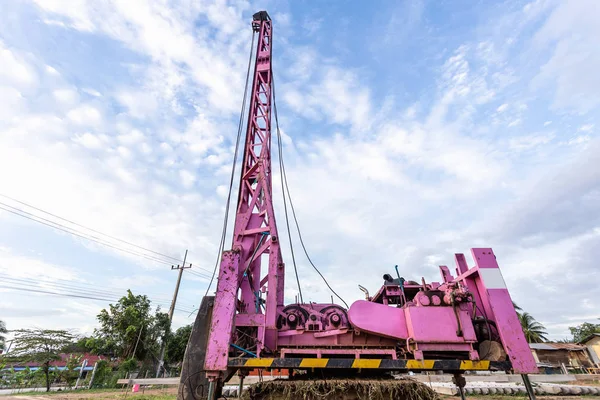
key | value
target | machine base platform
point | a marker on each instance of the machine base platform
(366, 363)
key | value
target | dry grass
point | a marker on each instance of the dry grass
(341, 389)
(103, 394)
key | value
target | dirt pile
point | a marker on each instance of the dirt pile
(340, 389)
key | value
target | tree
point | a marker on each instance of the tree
(128, 329)
(41, 346)
(3, 331)
(80, 345)
(533, 330)
(584, 330)
(177, 344)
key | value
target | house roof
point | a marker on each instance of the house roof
(541, 346)
(556, 346)
(64, 358)
(590, 337)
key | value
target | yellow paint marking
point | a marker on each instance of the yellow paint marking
(419, 364)
(366, 363)
(314, 362)
(468, 364)
(259, 362)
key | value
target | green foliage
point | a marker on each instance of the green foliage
(69, 375)
(584, 330)
(80, 345)
(123, 323)
(177, 344)
(104, 376)
(3, 331)
(533, 330)
(41, 346)
(128, 365)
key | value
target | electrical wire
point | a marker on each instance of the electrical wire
(198, 274)
(237, 145)
(287, 190)
(74, 289)
(73, 232)
(84, 235)
(98, 298)
(82, 286)
(89, 229)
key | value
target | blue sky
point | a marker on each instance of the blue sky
(412, 131)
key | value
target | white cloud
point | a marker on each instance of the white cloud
(91, 141)
(67, 96)
(139, 104)
(14, 70)
(187, 178)
(85, 115)
(92, 92)
(33, 267)
(131, 138)
(51, 70)
(586, 128)
(502, 108)
(336, 96)
(572, 32)
(528, 142)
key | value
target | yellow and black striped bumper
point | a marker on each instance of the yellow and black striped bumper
(364, 363)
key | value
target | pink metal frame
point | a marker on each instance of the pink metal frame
(255, 231)
(438, 317)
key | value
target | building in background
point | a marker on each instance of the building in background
(557, 358)
(592, 343)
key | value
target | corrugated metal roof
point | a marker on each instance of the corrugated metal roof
(556, 346)
(541, 346)
(567, 346)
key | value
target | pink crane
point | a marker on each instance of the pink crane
(464, 322)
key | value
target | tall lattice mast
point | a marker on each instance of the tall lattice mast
(255, 231)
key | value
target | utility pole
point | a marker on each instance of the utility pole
(171, 311)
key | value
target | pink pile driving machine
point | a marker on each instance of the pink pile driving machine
(464, 322)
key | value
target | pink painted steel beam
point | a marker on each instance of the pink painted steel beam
(497, 302)
(255, 231)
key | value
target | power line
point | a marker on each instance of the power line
(90, 229)
(71, 231)
(66, 294)
(75, 232)
(79, 284)
(69, 286)
(198, 274)
(73, 289)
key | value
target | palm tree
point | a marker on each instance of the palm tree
(533, 330)
(517, 308)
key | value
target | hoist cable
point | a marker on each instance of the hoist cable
(280, 157)
(287, 190)
(237, 145)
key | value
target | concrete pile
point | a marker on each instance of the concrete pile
(512, 388)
